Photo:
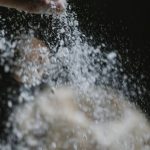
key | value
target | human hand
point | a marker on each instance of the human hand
(36, 6)
(46, 6)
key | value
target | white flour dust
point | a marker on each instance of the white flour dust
(63, 119)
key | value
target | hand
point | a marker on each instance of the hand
(46, 6)
(36, 6)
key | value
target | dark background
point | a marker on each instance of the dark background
(123, 25)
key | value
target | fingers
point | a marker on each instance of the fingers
(49, 6)
(56, 6)
(36, 6)
(60, 5)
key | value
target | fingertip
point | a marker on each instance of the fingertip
(47, 1)
(60, 5)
